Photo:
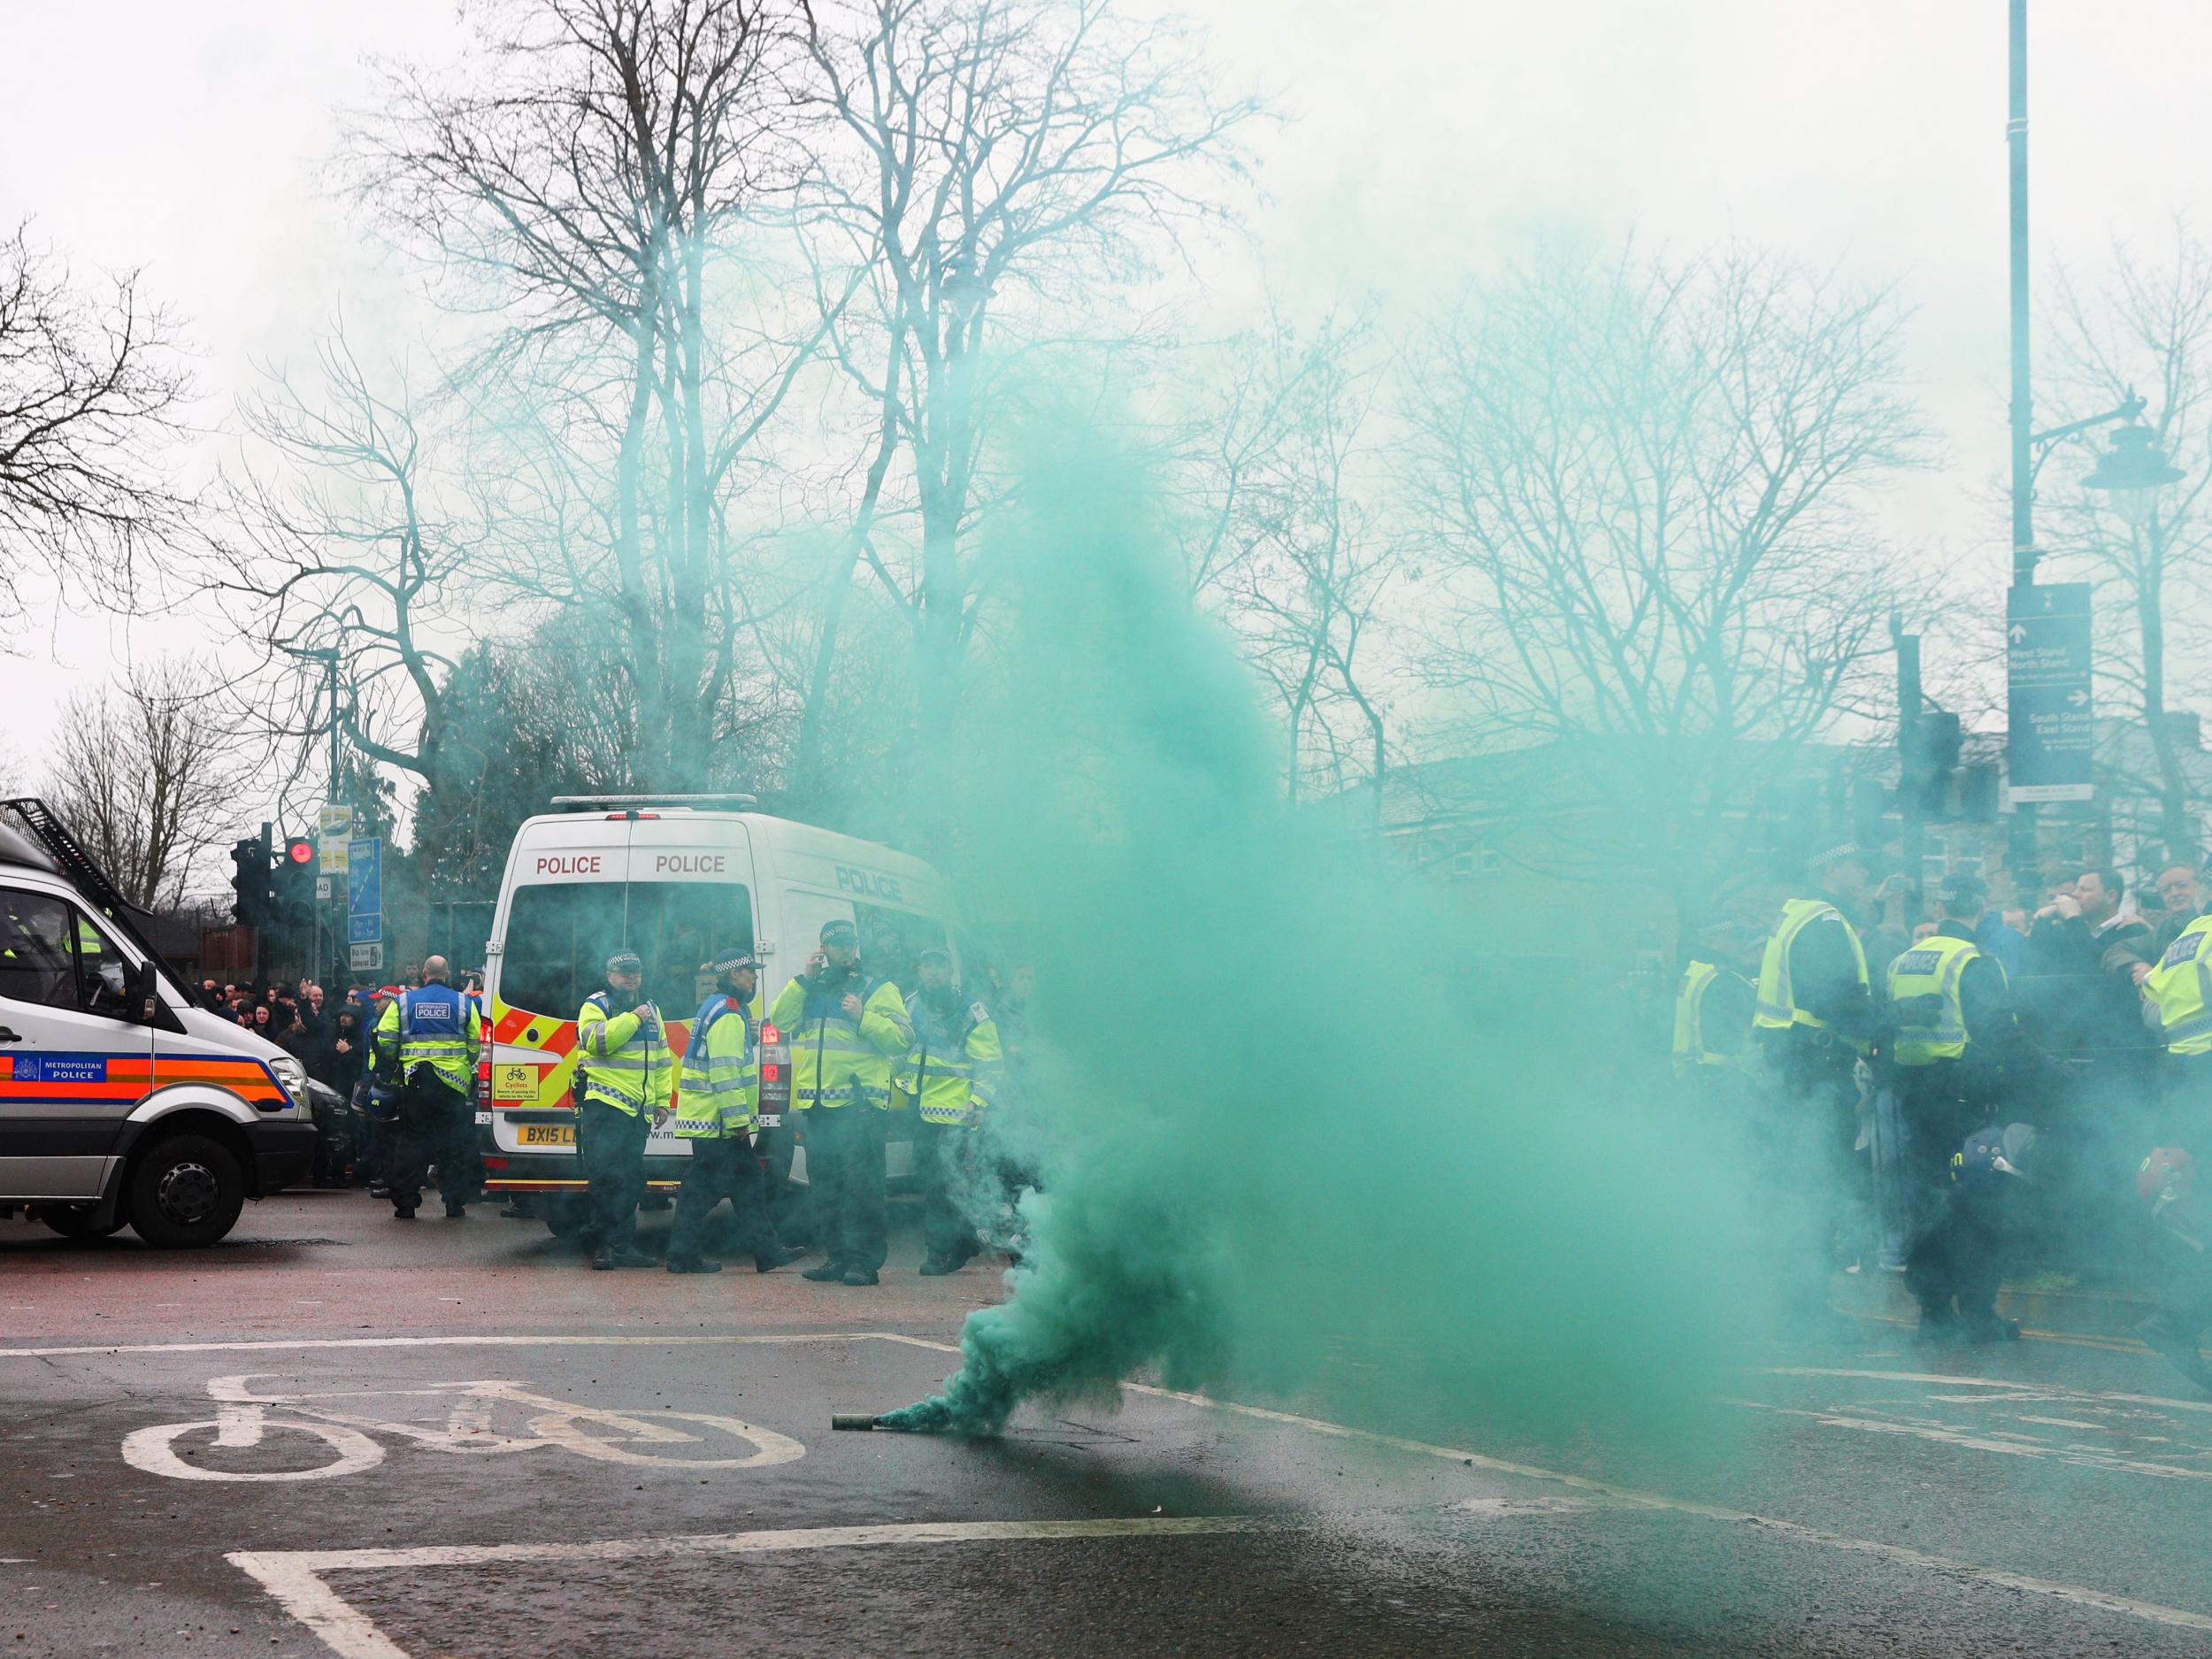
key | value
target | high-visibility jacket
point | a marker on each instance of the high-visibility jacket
(954, 1064)
(2181, 987)
(626, 1060)
(835, 1062)
(1778, 1008)
(717, 1089)
(431, 1026)
(1691, 1050)
(1924, 983)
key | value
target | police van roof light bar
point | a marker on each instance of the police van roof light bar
(588, 803)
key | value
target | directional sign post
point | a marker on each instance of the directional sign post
(364, 891)
(333, 826)
(2052, 742)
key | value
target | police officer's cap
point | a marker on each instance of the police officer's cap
(626, 962)
(837, 931)
(730, 958)
(1841, 852)
(933, 959)
(1961, 888)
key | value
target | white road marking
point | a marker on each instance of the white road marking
(2079, 1595)
(2013, 1387)
(2012, 1445)
(294, 1344)
(294, 1576)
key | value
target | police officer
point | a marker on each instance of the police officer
(845, 1030)
(1815, 1018)
(718, 1099)
(1954, 1044)
(949, 1074)
(1713, 1004)
(2178, 998)
(2178, 994)
(431, 1037)
(629, 1078)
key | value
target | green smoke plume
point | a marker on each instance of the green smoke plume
(1293, 1136)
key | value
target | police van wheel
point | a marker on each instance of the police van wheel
(75, 1221)
(185, 1192)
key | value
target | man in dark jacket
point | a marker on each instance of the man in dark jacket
(2080, 984)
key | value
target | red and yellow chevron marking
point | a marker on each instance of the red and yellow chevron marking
(555, 1040)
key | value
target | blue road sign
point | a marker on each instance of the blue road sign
(2052, 736)
(364, 891)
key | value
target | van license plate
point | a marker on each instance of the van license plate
(545, 1134)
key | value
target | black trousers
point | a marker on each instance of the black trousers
(433, 1119)
(613, 1148)
(723, 1168)
(944, 1160)
(844, 1166)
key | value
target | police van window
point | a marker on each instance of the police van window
(52, 954)
(37, 955)
(558, 939)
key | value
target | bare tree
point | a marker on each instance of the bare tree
(2147, 326)
(580, 178)
(985, 161)
(1277, 534)
(90, 393)
(345, 541)
(144, 776)
(1644, 488)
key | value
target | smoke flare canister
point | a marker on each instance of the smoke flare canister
(852, 1420)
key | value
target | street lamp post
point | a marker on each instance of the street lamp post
(2133, 470)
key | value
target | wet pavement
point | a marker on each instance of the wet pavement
(338, 1434)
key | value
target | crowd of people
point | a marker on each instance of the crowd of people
(1969, 1091)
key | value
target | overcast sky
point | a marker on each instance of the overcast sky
(1425, 136)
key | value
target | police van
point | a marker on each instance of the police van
(673, 878)
(121, 1103)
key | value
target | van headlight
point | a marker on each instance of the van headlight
(293, 1075)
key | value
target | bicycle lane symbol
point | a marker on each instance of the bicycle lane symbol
(244, 1419)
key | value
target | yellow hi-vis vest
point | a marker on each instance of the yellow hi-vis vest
(2180, 987)
(1777, 1009)
(717, 1089)
(1924, 982)
(954, 1064)
(834, 1061)
(1690, 1051)
(627, 1061)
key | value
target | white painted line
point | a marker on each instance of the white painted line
(2079, 1595)
(293, 1344)
(1990, 1441)
(294, 1576)
(2014, 1387)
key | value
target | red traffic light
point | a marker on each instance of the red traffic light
(300, 850)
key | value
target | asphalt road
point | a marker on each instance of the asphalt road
(336, 1434)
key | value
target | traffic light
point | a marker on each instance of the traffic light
(249, 880)
(295, 883)
(1928, 762)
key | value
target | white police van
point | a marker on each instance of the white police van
(673, 878)
(121, 1103)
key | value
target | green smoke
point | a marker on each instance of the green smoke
(1293, 1135)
